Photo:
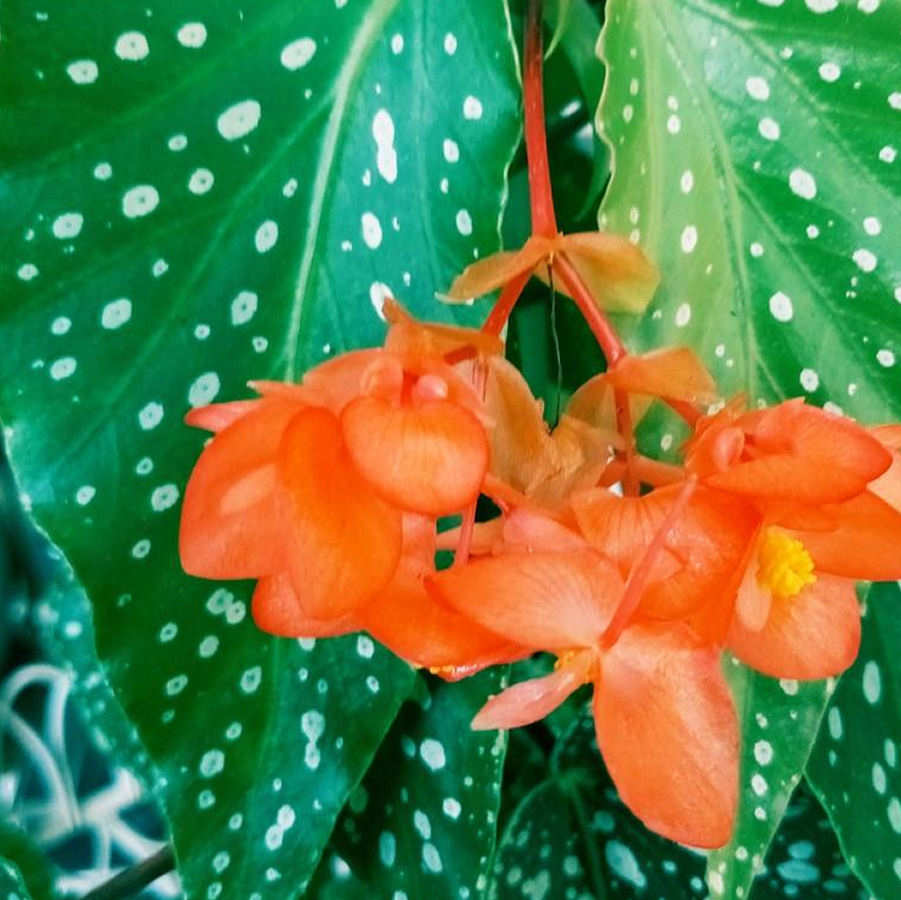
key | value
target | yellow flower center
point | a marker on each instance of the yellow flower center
(785, 565)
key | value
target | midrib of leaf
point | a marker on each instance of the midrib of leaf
(356, 56)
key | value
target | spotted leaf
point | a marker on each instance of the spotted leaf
(428, 807)
(198, 195)
(854, 768)
(755, 150)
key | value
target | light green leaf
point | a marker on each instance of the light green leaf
(779, 721)
(755, 155)
(197, 196)
(424, 819)
(854, 768)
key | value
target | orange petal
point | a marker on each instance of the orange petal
(528, 531)
(276, 609)
(888, 485)
(866, 544)
(617, 273)
(411, 337)
(667, 730)
(543, 600)
(419, 629)
(532, 700)
(804, 454)
(218, 416)
(593, 403)
(672, 372)
(428, 458)
(343, 543)
(490, 273)
(813, 635)
(888, 435)
(711, 540)
(230, 524)
(753, 601)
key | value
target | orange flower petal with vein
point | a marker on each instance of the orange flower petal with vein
(496, 270)
(805, 455)
(667, 730)
(710, 541)
(544, 600)
(230, 524)
(532, 700)
(429, 458)
(673, 372)
(617, 273)
(276, 609)
(343, 542)
(812, 635)
(418, 628)
(866, 544)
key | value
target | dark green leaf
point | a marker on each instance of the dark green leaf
(854, 767)
(423, 821)
(199, 196)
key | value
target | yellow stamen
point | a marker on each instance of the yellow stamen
(785, 565)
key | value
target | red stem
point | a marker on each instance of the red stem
(604, 333)
(544, 221)
(498, 316)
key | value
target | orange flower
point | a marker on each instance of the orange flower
(664, 717)
(328, 492)
(808, 475)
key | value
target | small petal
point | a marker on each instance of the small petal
(594, 404)
(218, 416)
(230, 526)
(532, 700)
(866, 544)
(276, 609)
(342, 542)
(675, 373)
(429, 458)
(617, 273)
(667, 730)
(409, 337)
(490, 273)
(812, 635)
(543, 600)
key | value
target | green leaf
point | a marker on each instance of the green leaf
(423, 821)
(854, 768)
(804, 860)
(12, 884)
(25, 873)
(754, 160)
(779, 721)
(755, 154)
(571, 836)
(197, 197)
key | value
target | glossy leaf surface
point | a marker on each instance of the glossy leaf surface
(200, 196)
(854, 767)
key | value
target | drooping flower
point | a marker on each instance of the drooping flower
(663, 714)
(328, 493)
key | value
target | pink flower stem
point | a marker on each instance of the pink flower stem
(502, 309)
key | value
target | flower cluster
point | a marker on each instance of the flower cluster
(637, 575)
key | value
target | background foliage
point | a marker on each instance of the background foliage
(201, 196)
